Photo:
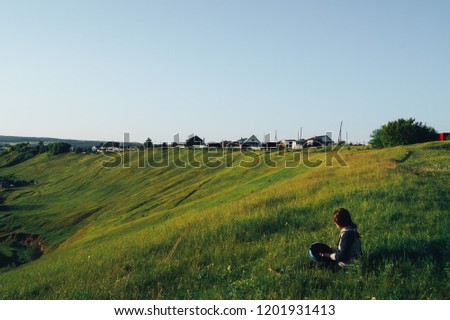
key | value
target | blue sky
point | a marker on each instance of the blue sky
(221, 69)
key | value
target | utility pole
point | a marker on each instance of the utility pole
(340, 132)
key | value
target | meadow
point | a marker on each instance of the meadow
(135, 231)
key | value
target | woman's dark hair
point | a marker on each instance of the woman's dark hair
(342, 217)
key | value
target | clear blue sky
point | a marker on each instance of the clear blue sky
(222, 69)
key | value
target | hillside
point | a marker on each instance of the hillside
(115, 232)
(74, 143)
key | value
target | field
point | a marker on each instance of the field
(135, 231)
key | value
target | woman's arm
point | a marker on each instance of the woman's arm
(345, 245)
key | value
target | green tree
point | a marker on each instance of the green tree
(402, 132)
(58, 148)
(148, 144)
(87, 150)
(41, 147)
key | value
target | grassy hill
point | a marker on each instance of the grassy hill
(75, 143)
(115, 232)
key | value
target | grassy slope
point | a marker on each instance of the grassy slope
(202, 233)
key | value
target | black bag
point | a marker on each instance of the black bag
(316, 248)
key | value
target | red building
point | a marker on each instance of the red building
(444, 136)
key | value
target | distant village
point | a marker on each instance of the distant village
(251, 143)
(193, 141)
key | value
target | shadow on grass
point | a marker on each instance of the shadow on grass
(435, 251)
(277, 222)
(19, 207)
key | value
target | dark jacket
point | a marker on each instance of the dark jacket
(349, 246)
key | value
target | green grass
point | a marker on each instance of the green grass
(212, 233)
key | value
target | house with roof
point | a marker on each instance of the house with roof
(215, 145)
(271, 145)
(195, 141)
(252, 142)
(235, 144)
(319, 141)
(291, 144)
(110, 146)
(226, 143)
(180, 145)
(300, 144)
(244, 143)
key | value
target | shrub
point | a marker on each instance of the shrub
(33, 252)
(402, 132)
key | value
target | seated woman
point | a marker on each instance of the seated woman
(349, 245)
